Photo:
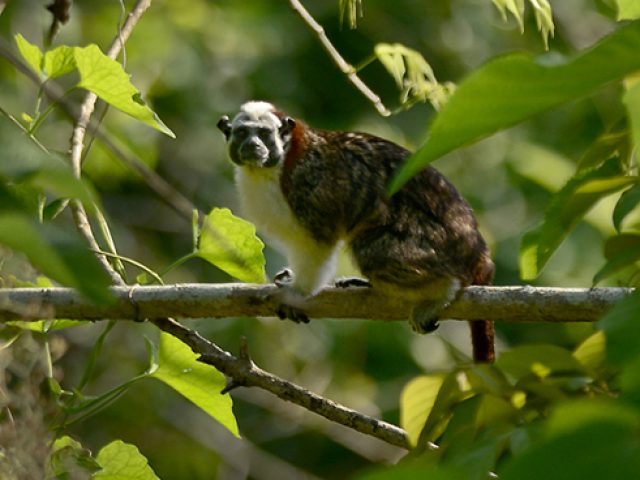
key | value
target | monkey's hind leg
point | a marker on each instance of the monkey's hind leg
(425, 315)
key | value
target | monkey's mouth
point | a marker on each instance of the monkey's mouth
(254, 156)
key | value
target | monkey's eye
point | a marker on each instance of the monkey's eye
(240, 133)
(264, 133)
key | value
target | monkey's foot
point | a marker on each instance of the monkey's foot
(283, 278)
(424, 317)
(292, 313)
(347, 282)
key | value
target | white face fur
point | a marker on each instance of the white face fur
(257, 137)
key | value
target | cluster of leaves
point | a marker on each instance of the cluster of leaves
(537, 407)
(516, 87)
(32, 176)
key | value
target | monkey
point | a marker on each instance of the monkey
(311, 191)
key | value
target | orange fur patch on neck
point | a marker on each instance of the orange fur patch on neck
(295, 152)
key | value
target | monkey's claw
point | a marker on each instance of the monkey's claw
(424, 317)
(352, 282)
(283, 278)
(288, 312)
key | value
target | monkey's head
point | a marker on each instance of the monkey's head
(258, 136)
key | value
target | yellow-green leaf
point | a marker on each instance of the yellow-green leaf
(107, 79)
(230, 243)
(628, 9)
(591, 352)
(59, 61)
(123, 461)
(416, 402)
(179, 368)
(31, 53)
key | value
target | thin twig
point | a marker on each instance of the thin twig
(342, 64)
(249, 375)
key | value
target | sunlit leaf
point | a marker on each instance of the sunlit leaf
(68, 457)
(544, 19)
(107, 79)
(59, 61)
(514, 7)
(179, 368)
(566, 208)
(352, 10)
(413, 75)
(31, 53)
(628, 9)
(416, 401)
(515, 87)
(230, 243)
(122, 461)
(591, 353)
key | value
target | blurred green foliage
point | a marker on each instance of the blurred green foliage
(195, 60)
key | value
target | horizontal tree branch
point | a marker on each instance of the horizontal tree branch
(513, 304)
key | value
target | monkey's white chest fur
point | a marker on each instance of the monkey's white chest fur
(263, 203)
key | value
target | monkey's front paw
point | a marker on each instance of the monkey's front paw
(352, 282)
(424, 317)
(288, 312)
(283, 278)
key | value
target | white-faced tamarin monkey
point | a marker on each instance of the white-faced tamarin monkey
(309, 191)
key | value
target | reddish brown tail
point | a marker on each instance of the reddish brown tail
(482, 341)
(482, 332)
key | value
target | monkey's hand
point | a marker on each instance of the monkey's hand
(283, 278)
(347, 282)
(292, 313)
(424, 316)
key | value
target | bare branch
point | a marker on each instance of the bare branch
(246, 373)
(342, 64)
(512, 304)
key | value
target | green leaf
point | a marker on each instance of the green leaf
(56, 253)
(416, 402)
(68, 457)
(621, 251)
(230, 243)
(107, 79)
(414, 471)
(628, 9)
(515, 7)
(515, 87)
(31, 53)
(123, 461)
(631, 99)
(591, 353)
(627, 202)
(540, 360)
(179, 368)
(412, 74)
(570, 450)
(59, 61)
(565, 210)
(622, 330)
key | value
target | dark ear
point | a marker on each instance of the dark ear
(288, 124)
(224, 124)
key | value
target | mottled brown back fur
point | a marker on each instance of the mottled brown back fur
(335, 183)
